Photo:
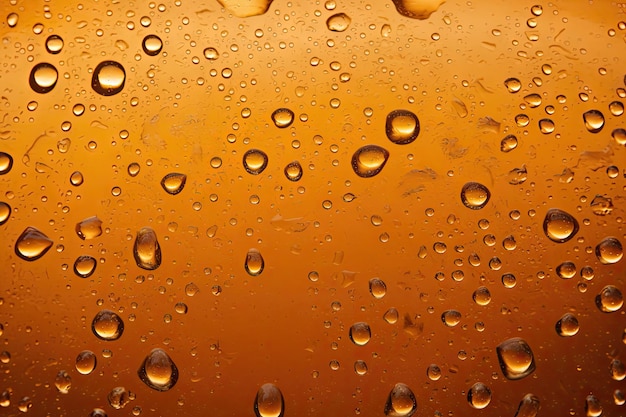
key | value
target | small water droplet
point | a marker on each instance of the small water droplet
(451, 318)
(508, 143)
(360, 333)
(402, 127)
(86, 362)
(54, 44)
(43, 78)
(12, 19)
(566, 270)
(254, 264)
(63, 382)
(618, 370)
(6, 163)
(32, 244)
(609, 251)
(401, 401)
(98, 412)
(85, 266)
(152, 45)
(255, 161)
(417, 9)
(610, 299)
(481, 296)
(133, 169)
(158, 371)
(479, 396)
(173, 183)
(5, 212)
(338, 22)
(108, 78)
(513, 85)
(211, 54)
(118, 398)
(107, 325)
(616, 108)
(601, 205)
(516, 358)
(594, 120)
(360, 367)
(474, 195)
(509, 280)
(593, 408)
(146, 249)
(391, 316)
(89, 228)
(559, 226)
(293, 171)
(378, 288)
(269, 401)
(282, 118)
(533, 100)
(369, 160)
(76, 179)
(567, 325)
(528, 406)
(433, 372)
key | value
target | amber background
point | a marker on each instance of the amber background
(271, 328)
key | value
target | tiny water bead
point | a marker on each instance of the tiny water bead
(360, 333)
(479, 396)
(369, 160)
(152, 45)
(86, 362)
(269, 401)
(254, 263)
(559, 226)
(107, 325)
(85, 266)
(516, 358)
(146, 250)
(158, 371)
(610, 299)
(475, 195)
(609, 250)
(43, 78)
(255, 161)
(108, 78)
(402, 127)
(401, 401)
(282, 118)
(567, 325)
(32, 244)
(173, 183)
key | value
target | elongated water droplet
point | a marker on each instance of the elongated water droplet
(567, 325)
(420, 9)
(158, 371)
(147, 250)
(516, 358)
(610, 299)
(173, 183)
(594, 120)
(369, 160)
(513, 85)
(293, 171)
(528, 407)
(254, 264)
(12, 19)
(63, 382)
(255, 161)
(559, 226)
(402, 127)
(5, 212)
(32, 244)
(54, 44)
(474, 195)
(107, 325)
(609, 250)
(338, 22)
(90, 228)
(108, 78)
(401, 402)
(152, 45)
(86, 362)
(43, 78)
(479, 396)
(269, 401)
(360, 367)
(85, 266)
(282, 118)
(360, 333)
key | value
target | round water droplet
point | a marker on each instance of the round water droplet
(76, 178)
(133, 169)
(451, 318)
(43, 78)
(255, 161)
(566, 270)
(610, 299)
(85, 266)
(401, 402)
(5, 212)
(158, 371)
(528, 407)
(508, 143)
(513, 85)
(360, 333)
(593, 408)
(89, 228)
(98, 412)
(616, 108)
(338, 22)
(594, 120)
(86, 362)
(118, 398)
(479, 396)
(108, 78)
(567, 325)
(509, 280)
(402, 127)
(516, 358)
(12, 19)
(360, 367)
(619, 135)
(391, 316)
(609, 250)
(559, 226)
(482, 296)
(54, 44)
(63, 382)
(32, 244)
(6, 163)
(254, 264)
(293, 171)
(152, 45)
(107, 325)
(369, 160)
(533, 100)
(282, 118)
(173, 183)
(474, 195)
(269, 401)
(433, 372)
(378, 288)
(546, 126)
(146, 249)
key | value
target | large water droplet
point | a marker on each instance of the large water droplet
(369, 160)
(86, 362)
(269, 401)
(90, 228)
(108, 78)
(378, 288)
(546, 126)
(417, 9)
(474, 195)
(508, 143)
(282, 118)
(6, 163)
(618, 370)
(254, 264)
(158, 371)
(63, 382)
(293, 171)
(402, 127)
(255, 161)
(482, 296)
(85, 266)
(173, 183)
(43, 78)
(401, 402)
(610, 299)
(12, 19)
(146, 249)
(152, 45)
(391, 316)
(594, 120)
(593, 408)
(516, 358)
(32, 244)
(513, 85)
(609, 250)
(567, 325)
(107, 325)
(479, 396)
(559, 226)
(360, 333)
(528, 407)
(246, 8)
(54, 44)
(5, 212)
(118, 398)
(338, 22)
(566, 270)
(533, 100)
(451, 318)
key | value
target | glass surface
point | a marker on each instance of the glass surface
(257, 208)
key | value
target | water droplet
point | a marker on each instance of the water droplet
(616, 108)
(255, 161)
(338, 22)
(85, 266)
(360, 367)
(211, 54)
(594, 120)
(482, 296)
(152, 45)
(254, 262)
(107, 325)
(479, 396)
(601, 205)
(433, 372)
(378, 288)
(89, 228)
(528, 407)
(173, 183)
(401, 401)
(63, 382)
(610, 299)
(474, 195)
(246, 8)
(522, 120)
(54, 44)
(533, 100)
(509, 280)
(508, 143)
(146, 249)
(593, 408)
(12, 19)
(559, 226)
(618, 370)
(293, 171)
(402, 127)
(86, 362)
(417, 9)
(98, 412)
(32, 244)
(513, 85)
(5, 212)
(118, 398)
(451, 318)
(546, 126)
(282, 118)
(269, 401)
(158, 371)
(360, 333)
(6, 163)
(567, 325)
(391, 316)
(43, 78)
(516, 358)
(108, 78)
(133, 169)
(619, 135)
(369, 160)
(609, 250)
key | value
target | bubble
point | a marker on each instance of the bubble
(152, 45)
(508, 143)
(293, 171)
(609, 251)
(528, 407)
(378, 288)
(90, 228)
(559, 226)
(513, 85)
(516, 358)
(433, 372)
(174, 182)
(5, 212)
(593, 408)
(108, 78)
(451, 318)
(481, 296)
(158, 371)
(402, 127)
(246, 9)
(401, 402)
(360, 333)
(474, 195)
(618, 370)
(338, 22)
(610, 299)
(282, 118)
(63, 382)
(255, 161)
(85, 266)
(594, 120)
(118, 398)
(567, 325)
(54, 44)
(254, 264)
(391, 316)
(369, 160)
(77, 179)
(6, 163)
(107, 325)
(360, 367)
(546, 126)
(417, 9)
(43, 78)
(86, 362)
(269, 401)
(146, 250)
(32, 244)
(479, 396)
